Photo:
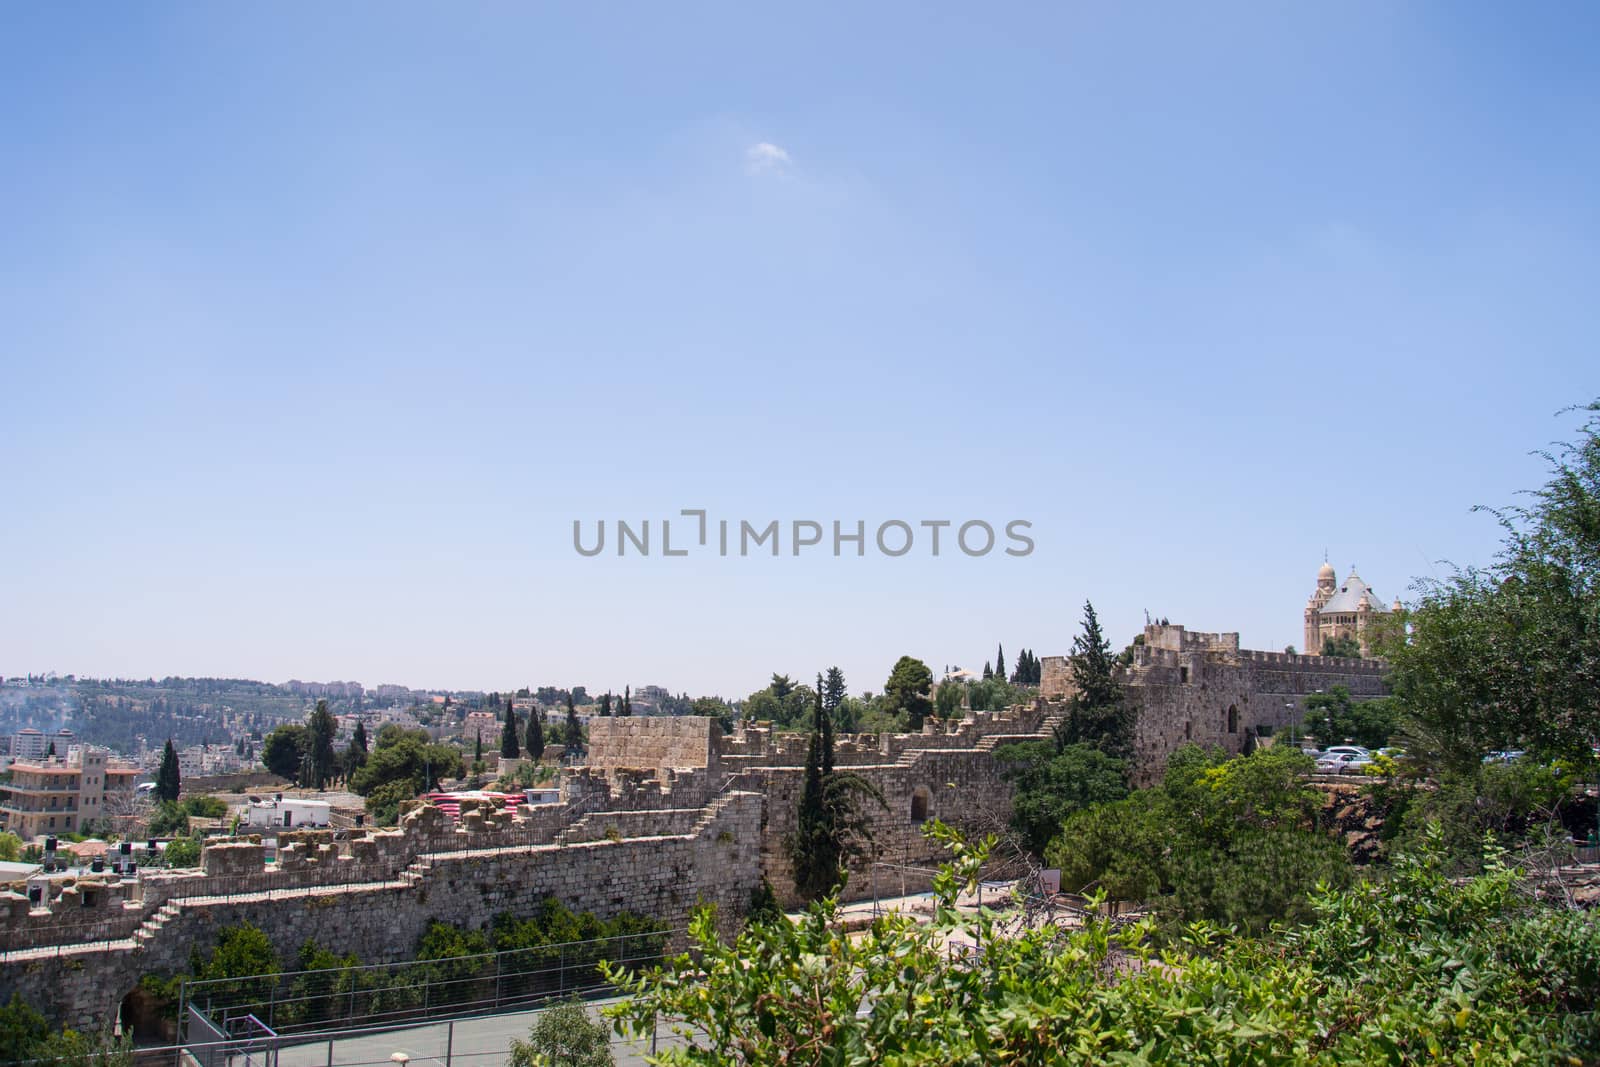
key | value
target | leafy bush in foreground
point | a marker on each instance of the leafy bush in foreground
(1412, 968)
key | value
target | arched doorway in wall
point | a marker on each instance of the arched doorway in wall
(1233, 718)
(919, 805)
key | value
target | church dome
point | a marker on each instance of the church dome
(1326, 571)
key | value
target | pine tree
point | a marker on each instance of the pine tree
(833, 690)
(1000, 662)
(1097, 715)
(167, 781)
(508, 734)
(536, 732)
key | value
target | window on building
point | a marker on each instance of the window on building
(919, 806)
(1188, 730)
(1233, 719)
(1183, 674)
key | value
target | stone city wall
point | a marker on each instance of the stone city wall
(716, 862)
(653, 743)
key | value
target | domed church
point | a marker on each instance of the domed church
(1344, 609)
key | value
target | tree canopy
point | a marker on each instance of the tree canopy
(1508, 656)
(907, 690)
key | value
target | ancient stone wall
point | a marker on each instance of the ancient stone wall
(653, 743)
(1203, 688)
(716, 861)
(959, 786)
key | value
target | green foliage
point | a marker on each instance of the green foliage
(406, 756)
(564, 1036)
(539, 952)
(10, 847)
(509, 748)
(783, 703)
(1451, 817)
(1341, 647)
(23, 1031)
(383, 802)
(906, 691)
(321, 762)
(1049, 785)
(285, 748)
(1413, 969)
(764, 905)
(167, 781)
(322, 993)
(169, 819)
(535, 736)
(992, 694)
(833, 692)
(182, 852)
(573, 738)
(25, 1035)
(1335, 719)
(1028, 670)
(1096, 715)
(1508, 657)
(244, 957)
(947, 700)
(205, 807)
(1230, 840)
(831, 827)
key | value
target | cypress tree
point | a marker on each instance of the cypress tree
(536, 733)
(355, 757)
(574, 736)
(627, 701)
(824, 728)
(816, 864)
(321, 759)
(605, 704)
(477, 749)
(508, 734)
(167, 782)
(1000, 662)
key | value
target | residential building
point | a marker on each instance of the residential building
(48, 796)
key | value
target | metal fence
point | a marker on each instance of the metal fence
(461, 1041)
(393, 994)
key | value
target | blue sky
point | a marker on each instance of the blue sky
(319, 327)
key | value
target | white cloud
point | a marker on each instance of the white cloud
(766, 158)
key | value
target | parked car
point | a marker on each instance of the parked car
(1343, 763)
(1508, 756)
(1351, 750)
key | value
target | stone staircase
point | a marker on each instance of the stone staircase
(155, 922)
(1046, 732)
(713, 810)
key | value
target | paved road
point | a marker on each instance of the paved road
(484, 1041)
